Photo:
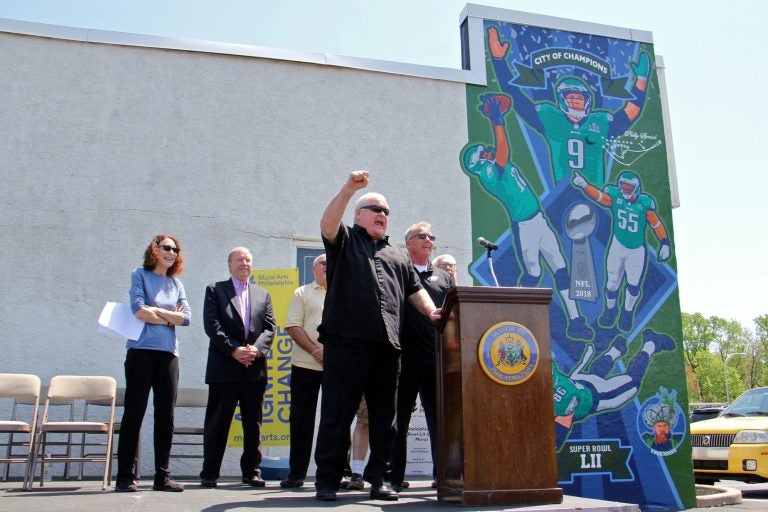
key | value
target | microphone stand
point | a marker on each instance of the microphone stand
(489, 257)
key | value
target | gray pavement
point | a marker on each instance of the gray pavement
(87, 496)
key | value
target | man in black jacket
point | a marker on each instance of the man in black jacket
(369, 282)
(418, 368)
(240, 324)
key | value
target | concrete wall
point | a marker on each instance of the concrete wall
(105, 145)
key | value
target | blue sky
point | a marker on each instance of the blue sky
(715, 80)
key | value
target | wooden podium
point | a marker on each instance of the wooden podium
(496, 434)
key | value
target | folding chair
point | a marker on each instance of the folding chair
(77, 388)
(25, 391)
(119, 402)
(190, 412)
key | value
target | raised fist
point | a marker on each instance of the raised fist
(357, 179)
(495, 106)
(498, 50)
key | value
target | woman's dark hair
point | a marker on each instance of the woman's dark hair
(150, 255)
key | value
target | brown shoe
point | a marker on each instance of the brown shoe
(168, 486)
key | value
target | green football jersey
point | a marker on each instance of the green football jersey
(629, 219)
(576, 146)
(570, 397)
(512, 190)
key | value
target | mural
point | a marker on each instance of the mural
(568, 171)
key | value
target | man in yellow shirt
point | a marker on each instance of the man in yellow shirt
(304, 315)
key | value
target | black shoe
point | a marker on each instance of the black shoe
(433, 484)
(356, 483)
(126, 487)
(168, 486)
(660, 341)
(325, 495)
(383, 492)
(344, 482)
(608, 318)
(208, 482)
(579, 330)
(254, 481)
(290, 483)
(625, 320)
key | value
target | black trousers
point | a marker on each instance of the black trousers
(305, 388)
(421, 379)
(222, 400)
(351, 369)
(144, 370)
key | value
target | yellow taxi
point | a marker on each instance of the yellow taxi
(733, 446)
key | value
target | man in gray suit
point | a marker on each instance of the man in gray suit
(240, 324)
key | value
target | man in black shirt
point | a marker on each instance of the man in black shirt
(418, 372)
(369, 281)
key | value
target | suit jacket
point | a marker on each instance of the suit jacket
(224, 326)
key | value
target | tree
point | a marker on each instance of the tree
(731, 337)
(707, 342)
(698, 336)
(756, 373)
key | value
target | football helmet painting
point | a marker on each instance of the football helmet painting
(477, 157)
(629, 183)
(574, 97)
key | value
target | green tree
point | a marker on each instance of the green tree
(698, 336)
(756, 373)
(731, 337)
(708, 341)
(709, 376)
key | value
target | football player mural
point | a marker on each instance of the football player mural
(575, 129)
(533, 232)
(631, 213)
(584, 208)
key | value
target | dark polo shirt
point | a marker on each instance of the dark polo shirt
(368, 283)
(419, 335)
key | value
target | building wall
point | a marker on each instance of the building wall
(105, 145)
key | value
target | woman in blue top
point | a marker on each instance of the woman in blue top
(152, 362)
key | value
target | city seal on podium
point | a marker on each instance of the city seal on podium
(508, 353)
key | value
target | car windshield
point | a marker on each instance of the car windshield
(752, 403)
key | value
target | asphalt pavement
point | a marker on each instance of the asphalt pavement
(231, 496)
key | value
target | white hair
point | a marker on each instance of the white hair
(444, 258)
(419, 225)
(238, 250)
(365, 198)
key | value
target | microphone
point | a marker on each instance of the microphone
(488, 245)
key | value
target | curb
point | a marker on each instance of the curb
(714, 496)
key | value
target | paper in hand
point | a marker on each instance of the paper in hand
(117, 320)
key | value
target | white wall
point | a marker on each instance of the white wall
(102, 146)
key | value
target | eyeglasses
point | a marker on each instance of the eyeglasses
(447, 266)
(376, 208)
(424, 236)
(323, 263)
(169, 248)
